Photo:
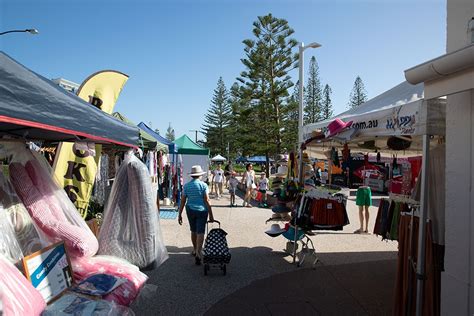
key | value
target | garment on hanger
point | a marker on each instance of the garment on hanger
(131, 228)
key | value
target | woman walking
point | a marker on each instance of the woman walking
(248, 179)
(196, 199)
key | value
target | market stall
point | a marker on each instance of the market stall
(192, 154)
(43, 233)
(34, 108)
(400, 120)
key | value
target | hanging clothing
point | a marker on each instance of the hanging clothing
(405, 282)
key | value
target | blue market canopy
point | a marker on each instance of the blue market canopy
(171, 146)
(34, 108)
(253, 159)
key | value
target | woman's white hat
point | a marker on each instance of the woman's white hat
(196, 171)
(275, 230)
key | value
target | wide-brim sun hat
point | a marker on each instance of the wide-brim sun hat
(337, 126)
(196, 171)
(275, 230)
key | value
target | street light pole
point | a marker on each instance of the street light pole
(300, 125)
(31, 31)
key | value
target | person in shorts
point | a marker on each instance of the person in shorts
(363, 199)
(263, 185)
(233, 182)
(198, 209)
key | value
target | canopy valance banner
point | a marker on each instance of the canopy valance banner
(399, 111)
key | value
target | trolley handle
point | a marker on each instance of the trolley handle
(208, 222)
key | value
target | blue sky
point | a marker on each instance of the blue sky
(175, 51)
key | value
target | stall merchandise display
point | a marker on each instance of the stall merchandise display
(131, 228)
(78, 305)
(101, 180)
(124, 294)
(321, 211)
(9, 247)
(52, 211)
(57, 222)
(18, 296)
(388, 218)
(23, 227)
(405, 282)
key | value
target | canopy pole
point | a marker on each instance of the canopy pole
(421, 259)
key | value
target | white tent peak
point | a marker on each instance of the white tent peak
(218, 158)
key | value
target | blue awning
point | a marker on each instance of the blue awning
(171, 146)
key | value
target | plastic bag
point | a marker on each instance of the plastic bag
(47, 203)
(9, 246)
(98, 284)
(78, 305)
(18, 296)
(23, 227)
(124, 294)
(131, 228)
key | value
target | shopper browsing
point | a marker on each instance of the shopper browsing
(233, 182)
(262, 188)
(198, 208)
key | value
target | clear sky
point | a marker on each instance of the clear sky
(174, 51)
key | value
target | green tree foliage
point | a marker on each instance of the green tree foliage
(358, 94)
(326, 105)
(290, 135)
(265, 82)
(313, 94)
(170, 133)
(217, 120)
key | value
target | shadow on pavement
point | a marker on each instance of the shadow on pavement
(363, 288)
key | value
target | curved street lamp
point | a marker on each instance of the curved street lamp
(31, 31)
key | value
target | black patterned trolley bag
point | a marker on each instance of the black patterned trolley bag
(216, 252)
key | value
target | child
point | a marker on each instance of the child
(232, 187)
(262, 188)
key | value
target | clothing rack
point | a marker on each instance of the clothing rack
(308, 245)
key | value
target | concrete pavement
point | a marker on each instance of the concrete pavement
(182, 288)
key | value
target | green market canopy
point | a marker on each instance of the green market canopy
(187, 147)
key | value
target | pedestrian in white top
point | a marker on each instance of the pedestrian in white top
(219, 180)
(248, 179)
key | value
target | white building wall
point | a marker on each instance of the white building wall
(456, 294)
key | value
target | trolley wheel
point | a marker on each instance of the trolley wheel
(206, 268)
(224, 269)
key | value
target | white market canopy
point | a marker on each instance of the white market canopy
(399, 111)
(218, 158)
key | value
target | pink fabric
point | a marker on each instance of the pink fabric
(48, 216)
(122, 295)
(18, 296)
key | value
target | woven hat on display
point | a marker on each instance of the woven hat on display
(285, 216)
(399, 143)
(275, 230)
(282, 172)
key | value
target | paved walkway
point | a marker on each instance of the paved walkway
(182, 289)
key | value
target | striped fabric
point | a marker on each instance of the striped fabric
(49, 212)
(131, 228)
(126, 293)
(17, 295)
